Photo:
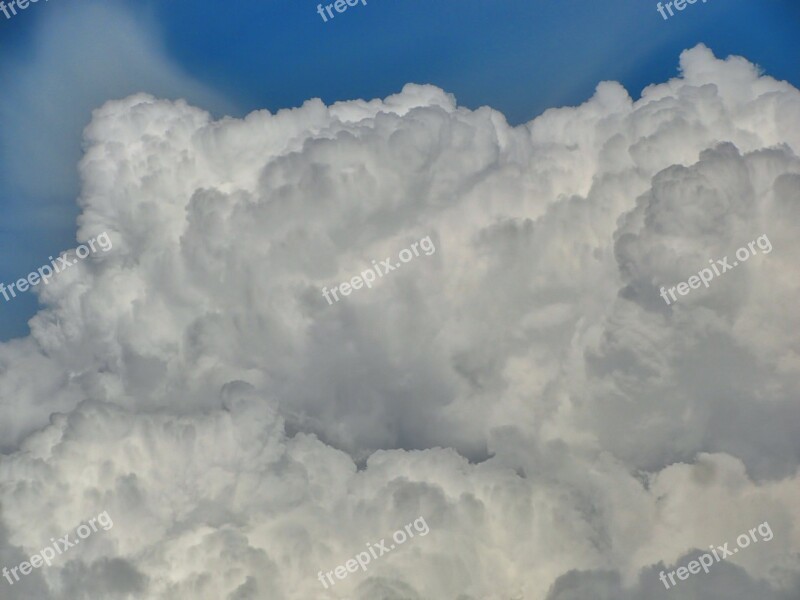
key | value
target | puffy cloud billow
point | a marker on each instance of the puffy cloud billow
(564, 432)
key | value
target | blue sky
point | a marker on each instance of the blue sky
(58, 60)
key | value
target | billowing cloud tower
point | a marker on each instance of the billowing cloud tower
(564, 432)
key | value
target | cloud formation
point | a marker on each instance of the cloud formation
(525, 388)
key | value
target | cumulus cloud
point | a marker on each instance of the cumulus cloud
(563, 431)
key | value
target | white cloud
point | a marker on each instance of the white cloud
(244, 434)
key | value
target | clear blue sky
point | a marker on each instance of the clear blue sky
(518, 56)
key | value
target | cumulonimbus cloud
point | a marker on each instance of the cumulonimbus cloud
(525, 388)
